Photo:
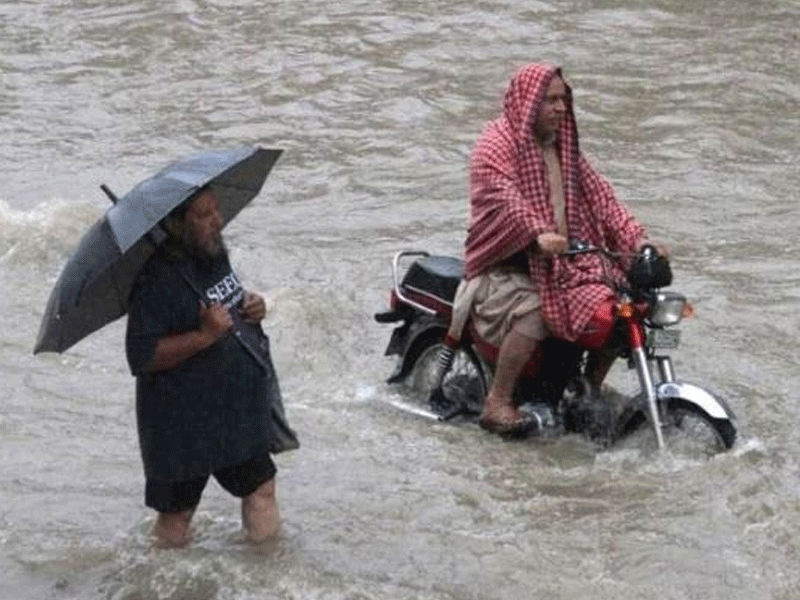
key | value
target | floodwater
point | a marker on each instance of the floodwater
(692, 109)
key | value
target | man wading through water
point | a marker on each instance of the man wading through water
(531, 192)
(204, 404)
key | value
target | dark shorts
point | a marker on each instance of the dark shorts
(240, 480)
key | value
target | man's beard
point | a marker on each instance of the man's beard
(546, 137)
(205, 254)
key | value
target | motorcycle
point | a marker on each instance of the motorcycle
(636, 324)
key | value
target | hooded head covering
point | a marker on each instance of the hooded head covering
(511, 205)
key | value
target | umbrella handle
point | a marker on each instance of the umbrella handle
(111, 195)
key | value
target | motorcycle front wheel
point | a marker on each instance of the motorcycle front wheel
(687, 427)
(464, 384)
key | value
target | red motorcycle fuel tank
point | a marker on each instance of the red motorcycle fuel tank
(599, 328)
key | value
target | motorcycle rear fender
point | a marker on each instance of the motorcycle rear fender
(397, 343)
(407, 339)
(715, 406)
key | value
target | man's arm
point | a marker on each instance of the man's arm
(172, 350)
(502, 222)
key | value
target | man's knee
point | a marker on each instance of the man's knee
(264, 493)
(530, 326)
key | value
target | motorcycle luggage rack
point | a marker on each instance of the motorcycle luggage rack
(431, 279)
(395, 271)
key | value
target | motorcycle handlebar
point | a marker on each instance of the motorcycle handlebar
(580, 247)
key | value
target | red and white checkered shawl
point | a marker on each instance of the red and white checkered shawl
(510, 206)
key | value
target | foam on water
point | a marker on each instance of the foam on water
(44, 236)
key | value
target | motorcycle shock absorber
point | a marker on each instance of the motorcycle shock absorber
(437, 399)
(445, 359)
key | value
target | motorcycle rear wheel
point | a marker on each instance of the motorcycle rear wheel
(464, 385)
(688, 427)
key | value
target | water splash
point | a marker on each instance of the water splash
(44, 235)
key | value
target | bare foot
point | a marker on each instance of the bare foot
(499, 410)
(501, 416)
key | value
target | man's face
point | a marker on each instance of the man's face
(204, 224)
(552, 110)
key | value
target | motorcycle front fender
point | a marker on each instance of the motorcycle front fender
(712, 404)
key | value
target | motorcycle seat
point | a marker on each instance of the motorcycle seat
(436, 275)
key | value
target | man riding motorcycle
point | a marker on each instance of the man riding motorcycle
(532, 191)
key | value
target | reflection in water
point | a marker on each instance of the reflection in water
(692, 112)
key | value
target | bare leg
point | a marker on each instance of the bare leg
(260, 516)
(600, 364)
(515, 351)
(171, 530)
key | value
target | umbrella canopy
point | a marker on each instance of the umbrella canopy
(94, 287)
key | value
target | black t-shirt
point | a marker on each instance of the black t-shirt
(212, 410)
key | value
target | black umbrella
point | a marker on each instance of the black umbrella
(94, 286)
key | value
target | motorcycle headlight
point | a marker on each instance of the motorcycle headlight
(668, 309)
